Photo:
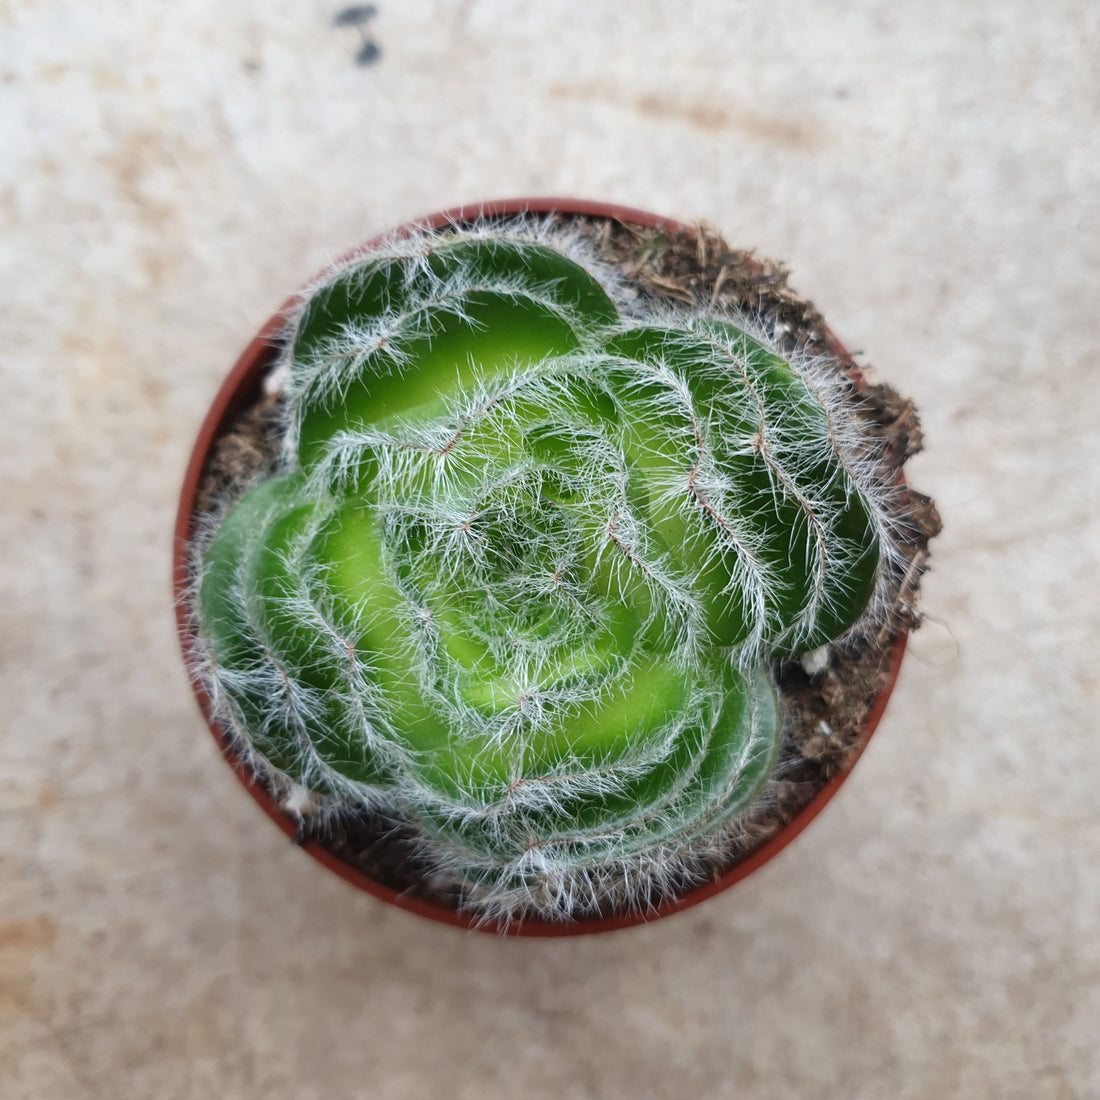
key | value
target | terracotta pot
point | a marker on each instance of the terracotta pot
(241, 389)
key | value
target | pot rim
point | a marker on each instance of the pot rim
(240, 388)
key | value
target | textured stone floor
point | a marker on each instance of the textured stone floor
(931, 173)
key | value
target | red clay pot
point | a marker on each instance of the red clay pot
(241, 389)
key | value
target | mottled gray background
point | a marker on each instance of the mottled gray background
(930, 172)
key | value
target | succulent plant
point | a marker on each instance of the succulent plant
(527, 558)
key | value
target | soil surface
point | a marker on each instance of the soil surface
(825, 697)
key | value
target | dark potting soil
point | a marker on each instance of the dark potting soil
(825, 697)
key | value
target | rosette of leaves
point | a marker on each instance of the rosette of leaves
(530, 553)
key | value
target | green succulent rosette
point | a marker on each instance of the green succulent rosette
(529, 560)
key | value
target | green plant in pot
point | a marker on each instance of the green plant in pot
(517, 579)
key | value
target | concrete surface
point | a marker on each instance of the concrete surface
(931, 172)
